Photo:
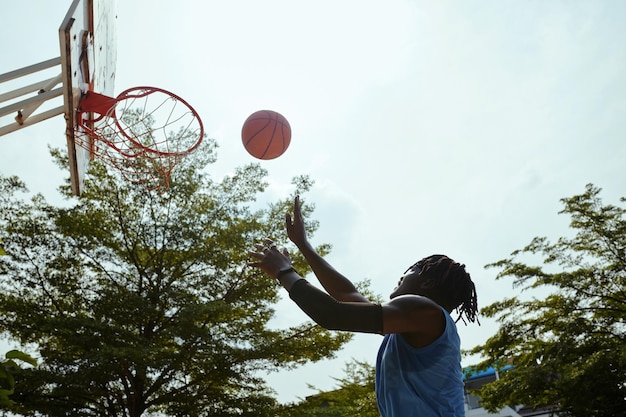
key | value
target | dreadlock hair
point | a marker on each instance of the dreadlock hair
(454, 285)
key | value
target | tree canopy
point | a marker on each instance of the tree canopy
(138, 302)
(568, 348)
(354, 396)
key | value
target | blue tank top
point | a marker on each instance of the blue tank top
(421, 382)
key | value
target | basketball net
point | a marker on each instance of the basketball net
(143, 133)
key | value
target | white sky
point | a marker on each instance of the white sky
(429, 126)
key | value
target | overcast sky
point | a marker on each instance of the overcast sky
(429, 126)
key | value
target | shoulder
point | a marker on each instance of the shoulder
(418, 318)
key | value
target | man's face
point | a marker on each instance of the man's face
(410, 282)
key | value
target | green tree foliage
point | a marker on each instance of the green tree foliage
(569, 347)
(140, 303)
(354, 396)
(8, 368)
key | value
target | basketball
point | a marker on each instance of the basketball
(266, 134)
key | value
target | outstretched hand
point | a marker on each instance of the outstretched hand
(295, 227)
(270, 259)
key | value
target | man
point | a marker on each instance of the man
(418, 369)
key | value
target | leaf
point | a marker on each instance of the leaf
(24, 357)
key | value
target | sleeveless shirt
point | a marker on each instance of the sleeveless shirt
(421, 382)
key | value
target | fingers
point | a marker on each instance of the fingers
(256, 255)
(262, 250)
(288, 221)
(268, 257)
(296, 205)
(297, 210)
(267, 246)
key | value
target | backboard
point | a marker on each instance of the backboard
(87, 39)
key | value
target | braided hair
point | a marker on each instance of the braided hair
(453, 284)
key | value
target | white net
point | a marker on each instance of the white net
(143, 133)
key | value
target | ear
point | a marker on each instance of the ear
(428, 282)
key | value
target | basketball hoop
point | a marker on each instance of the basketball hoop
(143, 133)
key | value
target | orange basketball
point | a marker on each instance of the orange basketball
(266, 134)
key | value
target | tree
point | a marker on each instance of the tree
(354, 396)
(569, 348)
(139, 303)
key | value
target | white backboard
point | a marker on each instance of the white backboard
(87, 38)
